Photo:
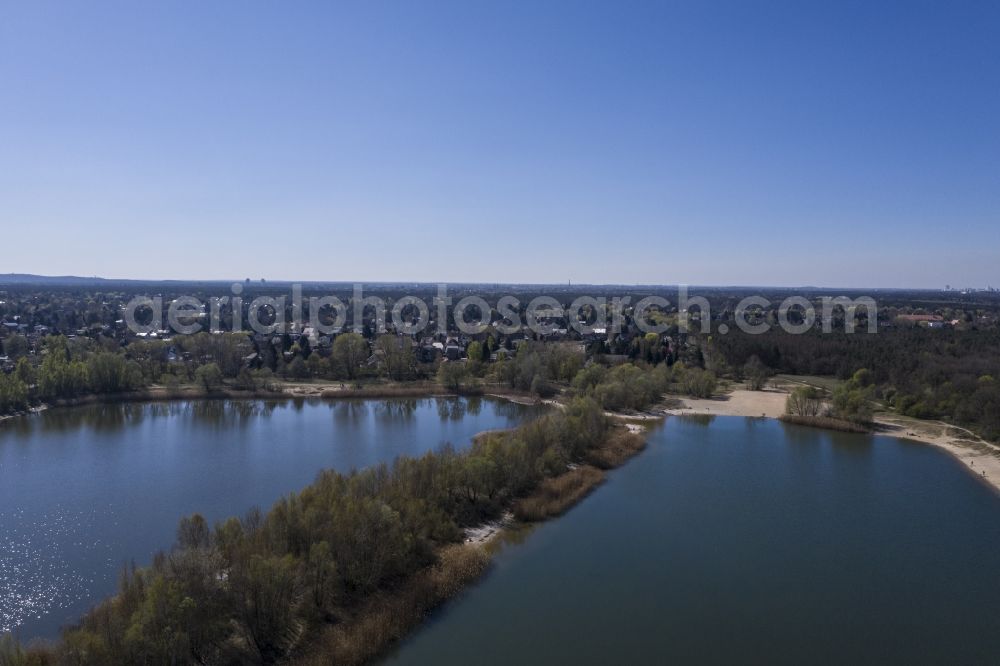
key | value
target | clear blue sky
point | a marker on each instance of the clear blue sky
(792, 143)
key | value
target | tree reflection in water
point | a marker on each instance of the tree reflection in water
(451, 409)
(396, 410)
(349, 412)
(110, 417)
(230, 413)
(473, 405)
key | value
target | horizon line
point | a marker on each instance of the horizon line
(27, 278)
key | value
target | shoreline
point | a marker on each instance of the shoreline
(979, 458)
(326, 391)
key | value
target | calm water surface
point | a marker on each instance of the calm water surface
(84, 490)
(746, 541)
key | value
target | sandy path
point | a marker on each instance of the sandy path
(978, 456)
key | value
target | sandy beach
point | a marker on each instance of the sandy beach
(979, 457)
(740, 402)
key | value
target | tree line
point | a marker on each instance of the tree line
(67, 372)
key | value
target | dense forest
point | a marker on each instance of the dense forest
(941, 374)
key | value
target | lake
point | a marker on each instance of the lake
(84, 490)
(733, 540)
